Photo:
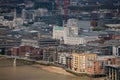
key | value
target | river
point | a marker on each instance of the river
(29, 72)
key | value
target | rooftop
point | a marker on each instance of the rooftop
(105, 57)
(115, 66)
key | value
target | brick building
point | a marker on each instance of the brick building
(90, 63)
(98, 65)
(25, 50)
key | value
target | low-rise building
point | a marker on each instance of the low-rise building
(27, 51)
(41, 42)
(69, 35)
(29, 42)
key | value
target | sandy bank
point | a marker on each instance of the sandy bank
(62, 71)
(54, 69)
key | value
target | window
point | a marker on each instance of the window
(109, 62)
(89, 64)
(101, 64)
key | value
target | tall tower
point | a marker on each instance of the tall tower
(65, 8)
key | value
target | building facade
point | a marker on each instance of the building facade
(62, 58)
(69, 35)
(81, 61)
(91, 63)
(112, 72)
(27, 51)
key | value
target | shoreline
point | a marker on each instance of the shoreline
(53, 69)
(60, 70)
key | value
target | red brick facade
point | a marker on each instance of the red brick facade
(98, 66)
(22, 50)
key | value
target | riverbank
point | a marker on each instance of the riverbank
(53, 69)
(59, 70)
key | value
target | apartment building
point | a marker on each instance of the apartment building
(62, 57)
(98, 65)
(80, 61)
(91, 63)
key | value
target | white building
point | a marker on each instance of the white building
(17, 22)
(116, 50)
(1, 19)
(62, 57)
(74, 40)
(79, 40)
(59, 32)
(70, 34)
(30, 42)
(73, 23)
(113, 25)
(71, 37)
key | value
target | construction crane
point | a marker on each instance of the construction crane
(57, 5)
(66, 2)
(65, 7)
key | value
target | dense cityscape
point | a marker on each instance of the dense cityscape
(80, 36)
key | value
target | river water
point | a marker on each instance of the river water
(28, 72)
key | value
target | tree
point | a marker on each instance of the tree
(93, 23)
